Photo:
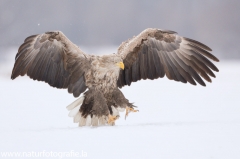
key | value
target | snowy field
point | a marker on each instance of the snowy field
(175, 121)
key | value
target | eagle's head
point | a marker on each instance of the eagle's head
(117, 61)
(112, 62)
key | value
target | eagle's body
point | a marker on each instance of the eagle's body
(53, 58)
(102, 76)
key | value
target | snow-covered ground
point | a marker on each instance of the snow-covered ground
(175, 121)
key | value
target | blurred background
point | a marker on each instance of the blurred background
(175, 120)
(108, 23)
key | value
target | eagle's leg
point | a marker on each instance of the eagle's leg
(111, 119)
(128, 110)
(122, 102)
(113, 115)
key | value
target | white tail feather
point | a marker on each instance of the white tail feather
(74, 111)
(101, 121)
(82, 121)
(94, 121)
(75, 103)
(88, 121)
(77, 117)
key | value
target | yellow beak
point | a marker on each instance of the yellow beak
(121, 65)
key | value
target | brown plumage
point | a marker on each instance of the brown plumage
(154, 53)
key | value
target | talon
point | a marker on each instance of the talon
(111, 119)
(128, 110)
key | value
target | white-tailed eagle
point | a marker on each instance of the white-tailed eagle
(154, 53)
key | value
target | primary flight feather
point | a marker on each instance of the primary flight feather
(154, 53)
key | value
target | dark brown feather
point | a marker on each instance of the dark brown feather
(47, 57)
(198, 44)
(94, 104)
(158, 52)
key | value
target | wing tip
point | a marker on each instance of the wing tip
(13, 76)
(198, 43)
(216, 59)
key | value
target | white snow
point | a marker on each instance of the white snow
(175, 120)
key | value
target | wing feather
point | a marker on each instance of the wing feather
(143, 64)
(185, 72)
(177, 69)
(151, 69)
(157, 63)
(198, 44)
(52, 58)
(154, 53)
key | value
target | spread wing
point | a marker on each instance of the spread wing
(52, 58)
(154, 53)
